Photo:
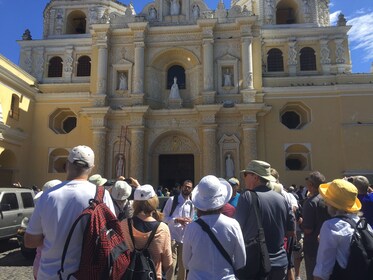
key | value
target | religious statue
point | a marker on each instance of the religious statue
(123, 85)
(152, 13)
(195, 11)
(229, 167)
(27, 35)
(119, 168)
(227, 79)
(174, 94)
(175, 8)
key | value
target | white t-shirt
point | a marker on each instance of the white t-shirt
(54, 214)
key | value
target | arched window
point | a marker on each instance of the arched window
(14, 107)
(286, 12)
(76, 23)
(297, 157)
(84, 66)
(307, 59)
(55, 67)
(178, 72)
(275, 61)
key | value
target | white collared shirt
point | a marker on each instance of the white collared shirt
(184, 209)
(335, 239)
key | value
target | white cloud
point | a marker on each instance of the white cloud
(361, 35)
(334, 17)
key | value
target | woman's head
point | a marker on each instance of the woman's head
(341, 195)
(146, 201)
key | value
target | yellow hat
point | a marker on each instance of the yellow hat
(341, 194)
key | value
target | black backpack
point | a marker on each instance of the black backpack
(141, 266)
(360, 261)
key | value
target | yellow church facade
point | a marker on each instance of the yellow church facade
(179, 90)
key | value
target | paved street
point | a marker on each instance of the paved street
(12, 264)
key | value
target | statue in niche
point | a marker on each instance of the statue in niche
(227, 81)
(119, 167)
(175, 8)
(174, 94)
(229, 167)
(195, 11)
(123, 82)
(152, 13)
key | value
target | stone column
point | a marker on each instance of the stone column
(292, 58)
(102, 68)
(208, 64)
(99, 147)
(247, 62)
(137, 153)
(325, 56)
(97, 117)
(249, 142)
(52, 16)
(139, 67)
(68, 64)
(209, 149)
(340, 58)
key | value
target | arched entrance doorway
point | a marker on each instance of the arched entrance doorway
(175, 169)
(175, 158)
(8, 164)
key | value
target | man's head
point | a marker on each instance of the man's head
(186, 188)
(313, 182)
(97, 179)
(235, 185)
(361, 183)
(257, 173)
(80, 162)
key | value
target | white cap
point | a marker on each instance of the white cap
(82, 155)
(51, 184)
(144, 192)
(47, 186)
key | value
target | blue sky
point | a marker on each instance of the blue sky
(18, 15)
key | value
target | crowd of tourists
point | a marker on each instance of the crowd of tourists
(215, 229)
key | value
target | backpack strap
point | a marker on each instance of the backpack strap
(98, 198)
(67, 243)
(255, 206)
(361, 224)
(205, 227)
(152, 234)
(175, 202)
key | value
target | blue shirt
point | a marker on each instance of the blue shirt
(234, 200)
(367, 206)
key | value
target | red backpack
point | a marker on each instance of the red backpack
(104, 252)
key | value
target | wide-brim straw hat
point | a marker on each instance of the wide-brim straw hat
(341, 194)
(211, 193)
